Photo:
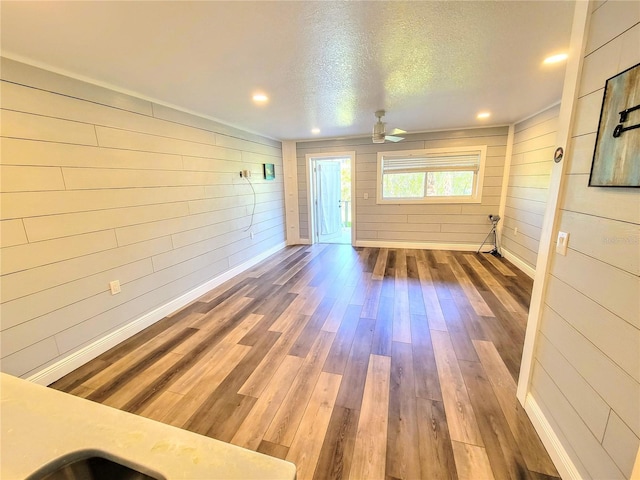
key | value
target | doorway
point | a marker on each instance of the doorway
(331, 209)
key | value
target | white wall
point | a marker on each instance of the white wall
(98, 186)
(528, 188)
(586, 372)
(451, 224)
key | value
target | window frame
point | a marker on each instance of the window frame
(475, 197)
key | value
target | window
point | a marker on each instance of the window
(442, 175)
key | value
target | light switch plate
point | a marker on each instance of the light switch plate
(366, 196)
(562, 243)
(114, 286)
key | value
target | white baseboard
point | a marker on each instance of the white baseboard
(530, 271)
(461, 247)
(75, 360)
(561, 459)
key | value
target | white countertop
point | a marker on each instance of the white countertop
(39, 424)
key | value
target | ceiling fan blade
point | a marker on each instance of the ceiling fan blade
(392, 138)
(397, 131)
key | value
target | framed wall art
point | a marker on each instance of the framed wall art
(269, 171)
(616, 158)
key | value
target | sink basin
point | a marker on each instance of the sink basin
(91, 465)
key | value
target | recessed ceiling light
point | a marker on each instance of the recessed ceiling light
(260, 98)
(482, 115)
(561, 57)
(315, 131)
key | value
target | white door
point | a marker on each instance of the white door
(328, 200)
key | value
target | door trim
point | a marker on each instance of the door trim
(309, 157)
(546, 250)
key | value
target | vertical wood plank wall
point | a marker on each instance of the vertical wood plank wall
(99, 186)
(586, 373)
(528, 189)
(437, 223)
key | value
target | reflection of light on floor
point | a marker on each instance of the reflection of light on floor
(345, 236)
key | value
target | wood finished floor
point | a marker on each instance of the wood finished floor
(351, 363)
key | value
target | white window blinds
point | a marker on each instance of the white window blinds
(432, 163)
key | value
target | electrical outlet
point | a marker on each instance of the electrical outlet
(562, 243)
(251, 233)
(246, 173)
(115, 287)
(366, 196)
(515, 232)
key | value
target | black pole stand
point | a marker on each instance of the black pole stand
(494, 224)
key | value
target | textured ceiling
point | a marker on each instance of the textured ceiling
(330, 65)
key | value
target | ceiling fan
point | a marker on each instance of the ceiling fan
(379, 134)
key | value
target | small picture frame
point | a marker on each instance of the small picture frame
(269, 171)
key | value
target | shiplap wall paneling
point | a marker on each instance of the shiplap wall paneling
(527, 191)
(460, 224)
(587, 366)
(99, 186)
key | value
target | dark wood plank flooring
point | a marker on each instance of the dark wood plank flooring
(351, 363)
